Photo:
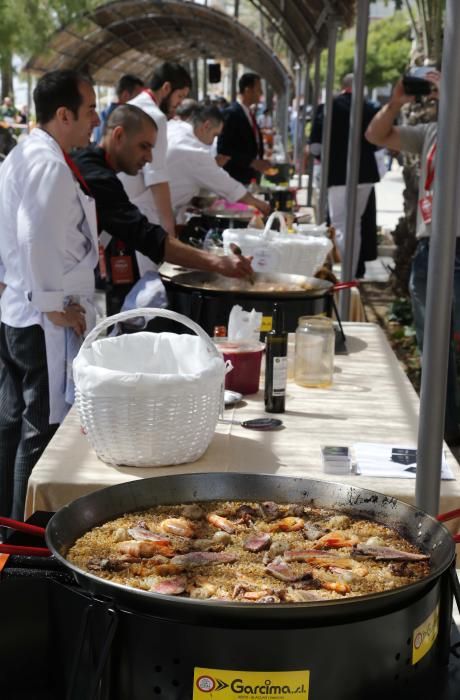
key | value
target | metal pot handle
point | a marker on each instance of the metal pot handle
(20, 549)
(271, 219)
(450, 515)
(149, 313)
(344, 285)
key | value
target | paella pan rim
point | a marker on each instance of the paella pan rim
(360, 501)
(197, 281)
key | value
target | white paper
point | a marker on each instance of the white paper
(379, 460)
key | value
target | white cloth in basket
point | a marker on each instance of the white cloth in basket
(142, 362)
(149, 399)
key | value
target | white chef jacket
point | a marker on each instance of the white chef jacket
(191, 167)
(48, 248)
(138, 186)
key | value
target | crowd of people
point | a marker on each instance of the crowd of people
(69, 206)
(88, 198)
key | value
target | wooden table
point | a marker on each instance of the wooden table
(371, 400)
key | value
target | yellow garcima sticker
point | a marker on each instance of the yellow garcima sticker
(425, 635)
(216, 684)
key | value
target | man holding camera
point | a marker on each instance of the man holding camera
(421, 139)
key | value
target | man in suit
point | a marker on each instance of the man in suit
(241, 140)
(368, 171)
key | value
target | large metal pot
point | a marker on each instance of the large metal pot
(163, 642)
(208, 298)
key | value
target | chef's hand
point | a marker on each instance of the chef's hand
(73, 316)
(399, 97)
(234, 266)
(260, 165)
(434, 77)
(263, 207)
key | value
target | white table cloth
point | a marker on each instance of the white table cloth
(371, 400)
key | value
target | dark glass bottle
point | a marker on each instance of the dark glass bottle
(276, 364)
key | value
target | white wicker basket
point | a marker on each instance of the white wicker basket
(152, 416)
(279, 251)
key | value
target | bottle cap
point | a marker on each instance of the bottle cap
(220, 331)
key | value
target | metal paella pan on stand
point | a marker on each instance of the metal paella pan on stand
(370, 642)
(208, 298)
(284, 264)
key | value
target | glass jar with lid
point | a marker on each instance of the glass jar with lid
(314, 351)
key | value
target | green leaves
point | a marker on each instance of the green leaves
(388, 51)
(26, 25)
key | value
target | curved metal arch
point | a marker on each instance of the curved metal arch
(303, 23)
(131, 35)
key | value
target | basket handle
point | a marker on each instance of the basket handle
(149, 313)
(271, 219)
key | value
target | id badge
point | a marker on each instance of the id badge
(122, 269)
(102, 262)
(426, 208)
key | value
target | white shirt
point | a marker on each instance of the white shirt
(48, 248)
(138, 186)
(191, 167)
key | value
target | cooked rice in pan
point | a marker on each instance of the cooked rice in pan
(249, 552)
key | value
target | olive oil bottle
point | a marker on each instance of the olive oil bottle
(276, 364)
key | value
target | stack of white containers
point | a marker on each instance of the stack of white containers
(280, 251)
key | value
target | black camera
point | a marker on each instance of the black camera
(416, 86)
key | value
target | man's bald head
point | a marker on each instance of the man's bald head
(347, 82)
(131, 118)
(129, 138)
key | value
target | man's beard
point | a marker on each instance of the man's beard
(166, 108)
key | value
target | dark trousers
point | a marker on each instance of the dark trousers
(368, 249)
(24, 412)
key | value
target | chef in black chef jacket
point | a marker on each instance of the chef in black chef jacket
(126, 147)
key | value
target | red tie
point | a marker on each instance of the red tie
(255, 130)
(72, 165)
(254, 126)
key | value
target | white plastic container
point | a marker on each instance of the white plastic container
(280, 251)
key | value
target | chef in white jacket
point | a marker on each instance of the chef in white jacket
(149, 189)
(48, 252)
(191, 166)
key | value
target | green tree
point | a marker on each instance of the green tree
(388, 51)
(427, 23)
(26, 26)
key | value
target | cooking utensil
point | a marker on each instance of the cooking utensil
(236, 250)
(255, 423)
(72, 521)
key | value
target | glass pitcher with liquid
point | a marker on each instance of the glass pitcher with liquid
(314, 351)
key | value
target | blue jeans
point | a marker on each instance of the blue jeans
(417, 287)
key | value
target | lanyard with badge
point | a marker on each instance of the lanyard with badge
(426, 202)
(121, 260)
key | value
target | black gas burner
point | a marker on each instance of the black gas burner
(60, 642)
